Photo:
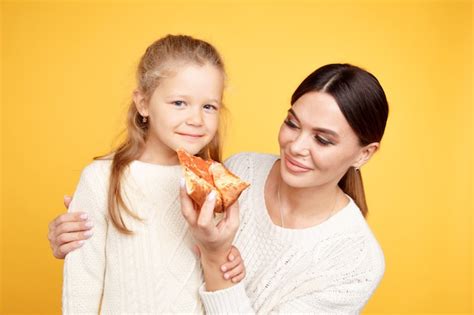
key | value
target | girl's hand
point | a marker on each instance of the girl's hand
(68, 231)
(234, 268)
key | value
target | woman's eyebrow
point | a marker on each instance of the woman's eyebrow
(324, 130)
(292, 112)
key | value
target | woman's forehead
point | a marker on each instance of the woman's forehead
(319, 109)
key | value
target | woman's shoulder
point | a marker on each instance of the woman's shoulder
(355, 237)
(249, 160)
(250, 165)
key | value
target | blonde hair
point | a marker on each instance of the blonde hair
(158, 61)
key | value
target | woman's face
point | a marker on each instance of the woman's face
(317, 144)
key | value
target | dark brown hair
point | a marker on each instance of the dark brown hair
(363, 103)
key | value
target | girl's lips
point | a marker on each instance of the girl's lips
(189, 135)
(190, 138)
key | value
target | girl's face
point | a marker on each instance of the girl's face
(183, 111)
(317, 144)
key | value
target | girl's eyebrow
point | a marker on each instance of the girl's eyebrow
(323, 130)
(186, 96)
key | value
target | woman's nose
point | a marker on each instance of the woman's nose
(299, 145)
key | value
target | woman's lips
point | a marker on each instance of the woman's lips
(294, 166)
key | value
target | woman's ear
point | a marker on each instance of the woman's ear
(365, 154)
(140, 103)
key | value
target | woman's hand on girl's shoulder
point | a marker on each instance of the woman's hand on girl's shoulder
(68, 231)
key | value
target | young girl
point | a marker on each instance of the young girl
(303, 234)
(140, 259)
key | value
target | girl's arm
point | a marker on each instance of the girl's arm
(84, 269)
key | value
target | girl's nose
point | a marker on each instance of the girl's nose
(195, 117)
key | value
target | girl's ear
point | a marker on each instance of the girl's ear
(140, 103)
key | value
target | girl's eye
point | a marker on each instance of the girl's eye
(178, 103)
(210, 107)
(322, 140)
(290, 124)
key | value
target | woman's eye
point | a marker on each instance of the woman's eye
(210, 107)
(290, 124)
(322, 140)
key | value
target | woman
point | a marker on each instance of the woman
(302, 232)
(302, 235)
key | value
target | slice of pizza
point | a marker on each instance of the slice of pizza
(203, 176)
(228, 185)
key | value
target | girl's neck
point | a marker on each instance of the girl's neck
(158, 153)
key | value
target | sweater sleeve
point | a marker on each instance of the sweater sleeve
(84, 268)
(341, 283)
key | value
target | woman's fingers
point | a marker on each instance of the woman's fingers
(67, 223)
(70, 217)
(68, 231)
(187, 206)
(72, 237)
(205, 220)
(73, 226)
(61, 251)
(232, 215)
(67, 201)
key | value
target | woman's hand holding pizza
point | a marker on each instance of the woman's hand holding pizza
(213, 238)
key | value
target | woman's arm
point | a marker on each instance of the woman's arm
(340, 282)
(214, 240)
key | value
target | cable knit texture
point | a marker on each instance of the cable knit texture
(152, 271)
(331, 268)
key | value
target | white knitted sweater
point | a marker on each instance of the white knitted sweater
(153, 271)
(331, 268)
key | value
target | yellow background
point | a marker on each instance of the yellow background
(67, 74)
